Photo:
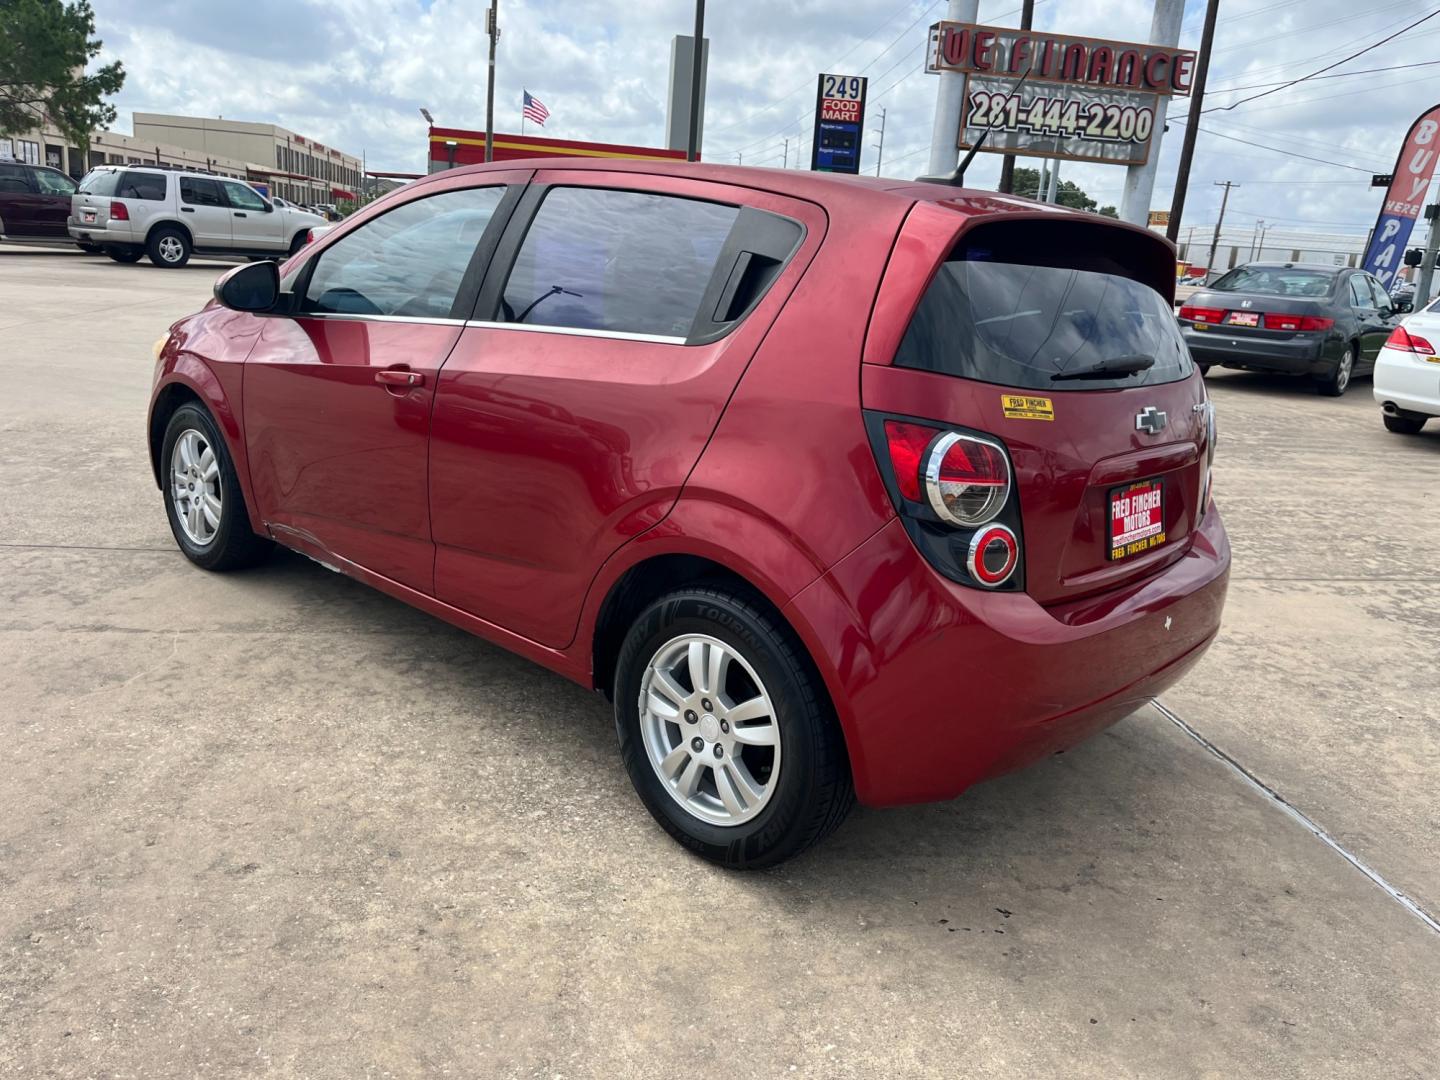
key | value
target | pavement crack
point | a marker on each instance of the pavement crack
(1302, 818)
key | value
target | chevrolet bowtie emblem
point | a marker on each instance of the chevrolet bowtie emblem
(1150, 420)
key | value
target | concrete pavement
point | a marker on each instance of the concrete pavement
(276, 824)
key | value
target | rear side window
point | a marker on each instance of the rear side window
(138, 185)
(197, 191)
(54, 183)
(1028, 326)
(100, 183)
(620, 261)
(1360, 293)
(408, 262)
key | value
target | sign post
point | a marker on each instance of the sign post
(839, 123)
(1404, 197)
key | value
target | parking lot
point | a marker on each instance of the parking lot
(275, 823)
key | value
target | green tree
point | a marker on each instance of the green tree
(44, 47)
(1027, 182)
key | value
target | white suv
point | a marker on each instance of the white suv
(134, 210)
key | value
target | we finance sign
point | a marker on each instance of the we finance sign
(1404, 198)
(839, 123)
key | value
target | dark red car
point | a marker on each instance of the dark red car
(34, 202)
(836, 487)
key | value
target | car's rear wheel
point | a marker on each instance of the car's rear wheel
(168, 247)
(203, 499)
(124, 255)
(1338, 381)
(1404, 425)
(726, 731)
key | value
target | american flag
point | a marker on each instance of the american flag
(534, 109)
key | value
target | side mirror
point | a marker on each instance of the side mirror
(252, 287)
(1403, 307)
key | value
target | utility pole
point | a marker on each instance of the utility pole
(492, 26)
(945, 134)
(785, 164)
(1007, 163)
(880, 149)
(1140, 179)
(1260, 248)
(1427, 265)
(697, 61)
(1053, 195)
(1192, 123)
(1215, 240)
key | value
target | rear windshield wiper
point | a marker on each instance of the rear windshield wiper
(1116, 365)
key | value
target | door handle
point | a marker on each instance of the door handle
(187, 209)
(239, 214)
(399, 377)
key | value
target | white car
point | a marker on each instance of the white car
(129, 211)
(1407, 372)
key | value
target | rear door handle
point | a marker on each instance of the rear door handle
(187, 209)
(239, 214)
(399, 377)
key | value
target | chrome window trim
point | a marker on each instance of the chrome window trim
(617, 335)
(344, 316)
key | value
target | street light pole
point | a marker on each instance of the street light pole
(880, 149)
(1215, 240)
(492, 26)
(697, 56)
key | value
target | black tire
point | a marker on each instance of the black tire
(1404, 425)
(1339, 380)
(814, 789)
(298, 241)
(124, 255)
(169, 247)
(233, 545)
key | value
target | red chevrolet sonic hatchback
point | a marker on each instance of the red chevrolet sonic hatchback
(836, 487)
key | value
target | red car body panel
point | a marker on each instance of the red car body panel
(531, 471)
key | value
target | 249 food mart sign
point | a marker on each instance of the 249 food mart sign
(1083, 99)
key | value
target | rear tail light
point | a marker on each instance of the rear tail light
(310, 236)
(1281, 321)
(953, 491)
(967, 480)
(994, 553)
(1402, 339)
(1202, 314)
(118, 212)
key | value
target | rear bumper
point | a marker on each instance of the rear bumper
(109, 233)
(1294, 356)
(939, 686)
(1408, 382)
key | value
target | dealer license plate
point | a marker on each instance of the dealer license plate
(1137, 518)
(88, 216)
(1243, 318)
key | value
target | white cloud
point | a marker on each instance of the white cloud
(354, 73)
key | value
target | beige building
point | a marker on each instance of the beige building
(46, 146)
(293, 166)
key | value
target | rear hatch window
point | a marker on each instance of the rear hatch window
(1043, 328)
(99, 183)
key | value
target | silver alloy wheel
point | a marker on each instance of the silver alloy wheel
(1347, 368)
(171, 249)
(195, 486)
(709, 729)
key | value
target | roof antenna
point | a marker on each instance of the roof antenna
(957, 178)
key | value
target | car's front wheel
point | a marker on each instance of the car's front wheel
(726, 731)
(168, 247)
(202, 495)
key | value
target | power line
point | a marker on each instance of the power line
(1277, 150)
(1338, 75)
(1337, 63)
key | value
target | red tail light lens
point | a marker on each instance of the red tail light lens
(1278, 321)
(118, 212)
(1202, 314)
(967, 480)
(907, 444)
(994, 554)
(1402, 339)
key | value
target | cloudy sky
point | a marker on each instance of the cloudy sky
(354, 74)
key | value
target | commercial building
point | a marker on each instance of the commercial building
(452, 147)
(290, 165)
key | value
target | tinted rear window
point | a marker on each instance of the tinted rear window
(1022, 325)
(100, 183)
(138, 185)
(1277, 281)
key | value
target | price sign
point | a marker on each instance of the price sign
(839, 123)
